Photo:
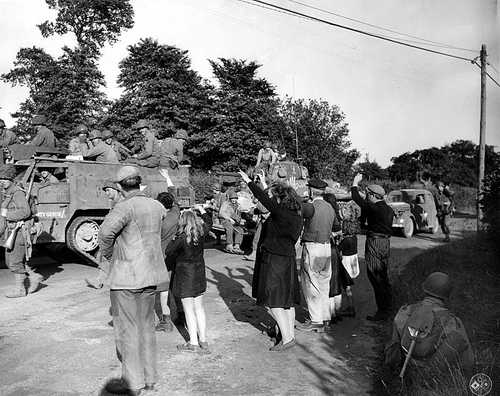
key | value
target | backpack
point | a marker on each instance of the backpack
(428, 320)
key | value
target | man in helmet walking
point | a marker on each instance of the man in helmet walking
(377, 247)
(441, 340)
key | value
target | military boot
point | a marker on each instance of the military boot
(34, 280)
(19, 289)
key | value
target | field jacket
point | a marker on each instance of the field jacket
(131, 239)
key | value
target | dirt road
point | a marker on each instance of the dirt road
(58, 341)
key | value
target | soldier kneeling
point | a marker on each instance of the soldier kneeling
(433, 337)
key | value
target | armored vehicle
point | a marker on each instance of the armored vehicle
(414, 210)
(70, 207)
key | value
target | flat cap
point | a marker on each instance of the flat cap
(110, 184)
(39, 120)
(7, 172)
(376, 189)
(125, 172)
(317, 183)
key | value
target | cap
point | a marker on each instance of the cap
(95, 134)
(7, 172)
(2, 123)
(106, 134)
(125, 172)
(141, 124)
(39, 120)
(82, 128)
(181, 134)
(376, 189)
(110, 184)
(317, 183)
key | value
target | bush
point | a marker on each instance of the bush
(202, 182)
(490, 202)
(465, 198)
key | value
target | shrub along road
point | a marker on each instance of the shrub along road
(58, 341)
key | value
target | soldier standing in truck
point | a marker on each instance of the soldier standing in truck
(150, 154)
(102, 151)
(44, 136)
(79, 145)
(172, 149)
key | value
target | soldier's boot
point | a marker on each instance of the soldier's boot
(447, 238)
(165, 324)
(34, 281)
(19, 289)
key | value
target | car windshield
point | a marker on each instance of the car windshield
(395, 197)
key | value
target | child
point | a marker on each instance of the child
(349, 249)
(189, 281)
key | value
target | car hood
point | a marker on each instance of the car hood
(398, 206)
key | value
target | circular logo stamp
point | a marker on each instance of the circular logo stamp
(480, 384)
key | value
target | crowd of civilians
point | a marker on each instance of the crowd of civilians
(150, 248)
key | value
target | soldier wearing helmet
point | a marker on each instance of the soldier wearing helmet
(7, 137)
(150, 154)
(444, 204)
(172, 149)
(377, 246)
(441, 342)
(79, 145)
(102, 151)
(14, 212)
(44, 136)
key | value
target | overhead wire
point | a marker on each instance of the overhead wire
(421, 39)
(488, 74)
(392, 40)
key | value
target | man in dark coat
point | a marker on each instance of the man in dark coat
(444, 203)
(377, 248)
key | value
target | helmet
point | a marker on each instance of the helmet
(317, 184)
(82, 128)
(107, 134)
(39, 120)
(181, 134)
(232, 194)
(437, 285)
(216, 186)
(2, 123)
(110, 184)
(95, 134)
(376, 189)
(126, 172)
(141, 124)
(7, 172)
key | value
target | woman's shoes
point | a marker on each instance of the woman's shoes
(279, 347)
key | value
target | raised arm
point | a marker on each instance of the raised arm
(356, 197)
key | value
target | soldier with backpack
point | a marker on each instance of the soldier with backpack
(427, 335)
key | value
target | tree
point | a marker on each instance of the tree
(68, 89)
(159, 85)
(244, 114)
(323, 138)
(371, 170)
(93, 22)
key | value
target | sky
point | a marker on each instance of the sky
(395, 99)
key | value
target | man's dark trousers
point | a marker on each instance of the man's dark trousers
(377, 252)
(134, 326)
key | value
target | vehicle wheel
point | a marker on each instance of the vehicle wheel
(409, 227)
(82, 236)
(435, 227)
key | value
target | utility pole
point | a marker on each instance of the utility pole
(482, 135)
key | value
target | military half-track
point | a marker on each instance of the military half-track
(71, 210)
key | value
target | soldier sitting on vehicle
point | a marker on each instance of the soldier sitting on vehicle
(265, 158)
(439, 338)
(44, 136)
(230, 218)
(79, 145)
(121, 151)
(172, 149)
(150, 154)
(7, 137)
(102, 151)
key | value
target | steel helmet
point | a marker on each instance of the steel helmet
(39, 120)
(376, 190)
(437, 285)
(106, 134)
(95, 134)
(181, 134)
(82, 128)
(141, 124)
(2, 123)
